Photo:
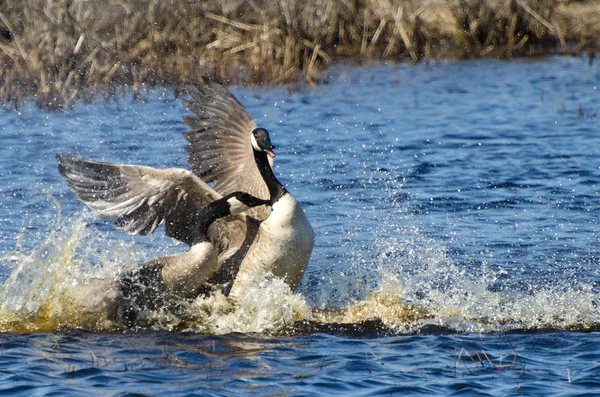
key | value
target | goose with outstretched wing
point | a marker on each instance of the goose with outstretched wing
(227, 150)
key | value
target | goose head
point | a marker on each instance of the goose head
(242, 201)
(261, 142)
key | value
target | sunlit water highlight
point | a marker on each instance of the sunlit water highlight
(460, 197)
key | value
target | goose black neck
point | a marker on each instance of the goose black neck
(204, 217)
(276, 189)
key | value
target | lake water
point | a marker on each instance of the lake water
(457, 215)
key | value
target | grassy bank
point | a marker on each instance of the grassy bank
(63, 50)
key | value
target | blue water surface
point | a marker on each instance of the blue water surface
(473, 183)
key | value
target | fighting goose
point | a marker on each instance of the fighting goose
(141, 198)
(285, 239)
(221, 152)
(164, 281)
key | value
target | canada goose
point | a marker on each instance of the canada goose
(285, 239)
(166, 280)
(221, 153)
(141, 198)
(227, 150)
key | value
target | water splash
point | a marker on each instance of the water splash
(264, 305)
(68, 282)
(47, 285)
(466, 296)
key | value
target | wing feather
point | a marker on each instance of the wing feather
(220, 151)
(140, 197)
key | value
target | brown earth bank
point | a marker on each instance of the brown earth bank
(59, 51)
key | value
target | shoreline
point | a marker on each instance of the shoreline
(68, 50)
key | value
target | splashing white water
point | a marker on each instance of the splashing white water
(264, 305)
(417, 283)
(461, 298)
(44, 282)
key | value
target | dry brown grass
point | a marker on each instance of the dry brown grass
(64, 50)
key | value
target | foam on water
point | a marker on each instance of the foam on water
(265, 305)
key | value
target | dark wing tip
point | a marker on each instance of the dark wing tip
(65, 158)
(66, 161)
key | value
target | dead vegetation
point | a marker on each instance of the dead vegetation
(64, 50)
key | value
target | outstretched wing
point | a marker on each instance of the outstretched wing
(220, 150)
(140, 197)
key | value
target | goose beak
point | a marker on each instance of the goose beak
(270, 153)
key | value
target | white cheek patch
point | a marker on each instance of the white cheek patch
(236, 206)
(254, 143)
